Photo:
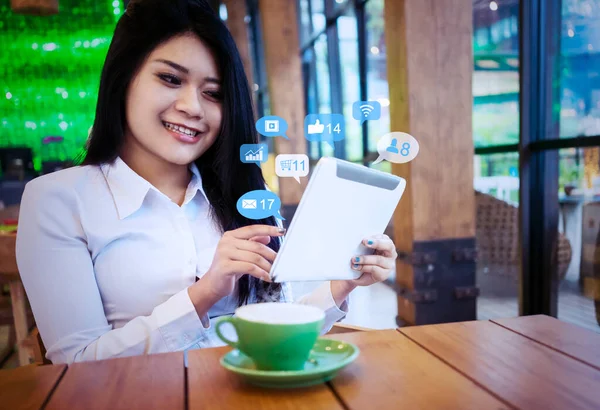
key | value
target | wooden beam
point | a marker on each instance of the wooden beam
(429, 65)
(286, 92)
(236, 14)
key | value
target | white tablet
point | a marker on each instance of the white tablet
(342, 204)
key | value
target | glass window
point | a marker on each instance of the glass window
(348, 46)
(311, 94)
(323, 84)
(318, 15)
(578, 254)
(305, 29)
(481, 37)
(498, 175)
(340, 4)
(497, 234)
(322, 71)
(377, 84)
(580, 68)
(496, 73)
(317, 88)
(260, 87)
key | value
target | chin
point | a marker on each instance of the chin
(182, 158)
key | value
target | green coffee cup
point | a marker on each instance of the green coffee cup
(276, 336)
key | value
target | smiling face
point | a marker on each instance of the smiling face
(173, 104)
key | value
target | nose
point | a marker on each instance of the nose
(190, 103)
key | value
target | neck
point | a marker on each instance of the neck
(170, 179)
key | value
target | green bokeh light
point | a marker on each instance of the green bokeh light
(49, 74)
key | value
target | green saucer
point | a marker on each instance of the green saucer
(326, 358)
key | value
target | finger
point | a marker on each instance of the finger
(265, 240)
(378, 273)
(363, 280)
(250, 231)
(377, 260)
(248, 257)
(250, 269)
(383, 244)
(378, 236)
(255, 247)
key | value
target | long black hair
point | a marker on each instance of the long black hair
(145, 25)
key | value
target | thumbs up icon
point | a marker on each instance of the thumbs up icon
(316, 128)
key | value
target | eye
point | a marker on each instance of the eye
(214, 94)
(170, 78)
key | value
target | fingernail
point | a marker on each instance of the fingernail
(357, 259)
(281, 230)
(355, 266)
(370, 243)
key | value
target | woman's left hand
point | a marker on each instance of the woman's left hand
(377, 267)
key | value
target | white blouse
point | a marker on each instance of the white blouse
(106, 260)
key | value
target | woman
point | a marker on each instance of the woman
(136, 250)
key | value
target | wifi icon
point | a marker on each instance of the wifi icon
(366, 110)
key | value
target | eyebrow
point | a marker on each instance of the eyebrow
(185, 70)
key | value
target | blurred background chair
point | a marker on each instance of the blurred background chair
(497, 233)
(9, 214)
(13, 302)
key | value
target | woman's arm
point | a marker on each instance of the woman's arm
(58, 275)
(340, 291)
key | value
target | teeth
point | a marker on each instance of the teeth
(180, 129)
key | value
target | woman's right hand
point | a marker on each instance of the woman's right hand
(240, 251)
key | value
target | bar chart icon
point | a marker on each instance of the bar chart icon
(254, 153)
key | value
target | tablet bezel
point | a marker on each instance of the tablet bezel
(344, 170)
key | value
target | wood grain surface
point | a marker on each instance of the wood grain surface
(565, 337)
(525, 373)
(539, 364)
(141, 382)
(393, 372)
(210, 386)
(27, 387)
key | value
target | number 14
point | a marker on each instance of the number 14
(336, 128)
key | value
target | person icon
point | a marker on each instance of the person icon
(393, 148)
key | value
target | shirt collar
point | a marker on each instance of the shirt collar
(195, 185)
(129, 189)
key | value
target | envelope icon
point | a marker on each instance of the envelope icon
(249, 203)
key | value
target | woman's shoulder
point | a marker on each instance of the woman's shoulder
(66, 181)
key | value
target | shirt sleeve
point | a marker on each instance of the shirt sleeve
(58, 276)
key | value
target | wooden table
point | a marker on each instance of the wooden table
(534, 362)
